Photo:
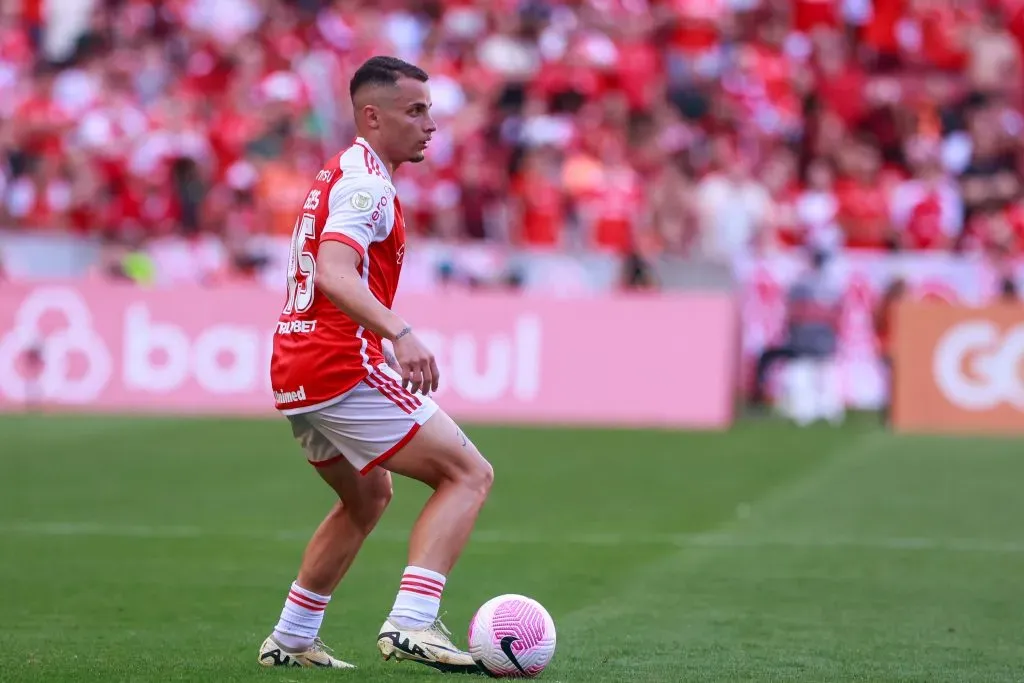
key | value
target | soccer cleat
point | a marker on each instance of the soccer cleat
(272, 653)
(431, 646)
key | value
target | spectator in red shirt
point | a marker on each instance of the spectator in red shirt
(927, 211)
(863, 204)
(539, 211)
(840, 81)
(614, 210)
(157, 119)
(782, 224)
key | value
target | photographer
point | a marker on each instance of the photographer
(811, 321)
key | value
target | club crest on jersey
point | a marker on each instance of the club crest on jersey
(362, 201)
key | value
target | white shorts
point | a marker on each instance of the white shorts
(367, 426)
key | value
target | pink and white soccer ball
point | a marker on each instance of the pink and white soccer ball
(512, 636)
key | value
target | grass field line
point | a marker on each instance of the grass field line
(863, 450)
(681, 540)
(759, 524)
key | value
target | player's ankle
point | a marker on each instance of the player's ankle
(419, 598)
(301, 617)
(293, 642)
(410, 623)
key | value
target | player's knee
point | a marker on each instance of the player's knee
(478, 478)
(382, 498)
(369, 513)
(382, 495)
(487, 477)
(372, 506)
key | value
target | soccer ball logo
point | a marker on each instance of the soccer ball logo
(512, 636)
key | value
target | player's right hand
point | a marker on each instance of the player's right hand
(419, 368)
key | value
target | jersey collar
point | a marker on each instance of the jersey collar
(366, 145)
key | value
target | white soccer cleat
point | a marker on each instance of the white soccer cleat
(431, 646)
(273, 653)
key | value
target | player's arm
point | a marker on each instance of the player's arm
(354, 221)
(389, 358)
(338, 278)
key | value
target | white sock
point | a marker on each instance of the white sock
(301, 618)
(419, 598)
(804, 390)
(832, 389)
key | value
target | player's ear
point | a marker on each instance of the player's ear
(371, 116)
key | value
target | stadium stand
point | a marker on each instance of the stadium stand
(178, 136)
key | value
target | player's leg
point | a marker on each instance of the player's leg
(385, 426)
(334, 545)
(328, 555)
(442, 457)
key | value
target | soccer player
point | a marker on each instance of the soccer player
(358, 411)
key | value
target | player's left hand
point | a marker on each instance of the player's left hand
(392, 362)
(419, 368)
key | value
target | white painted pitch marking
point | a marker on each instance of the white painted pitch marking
(682, 540)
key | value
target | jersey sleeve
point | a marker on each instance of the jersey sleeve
(357, 212)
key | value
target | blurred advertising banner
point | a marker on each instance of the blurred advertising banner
(959, 369)
(862, 279)
(611, 360)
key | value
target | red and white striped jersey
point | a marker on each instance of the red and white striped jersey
(319, 352)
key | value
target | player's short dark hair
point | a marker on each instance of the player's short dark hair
(382, 70)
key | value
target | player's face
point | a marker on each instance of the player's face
(406, 123)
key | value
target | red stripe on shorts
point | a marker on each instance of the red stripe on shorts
(391, 451)
(328, 462)
(402, 391)
(377, 382)
(388, 393)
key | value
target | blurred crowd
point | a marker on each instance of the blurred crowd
(695, 127)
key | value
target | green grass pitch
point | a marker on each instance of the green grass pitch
(143, 549)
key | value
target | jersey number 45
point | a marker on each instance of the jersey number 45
(301, 266)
